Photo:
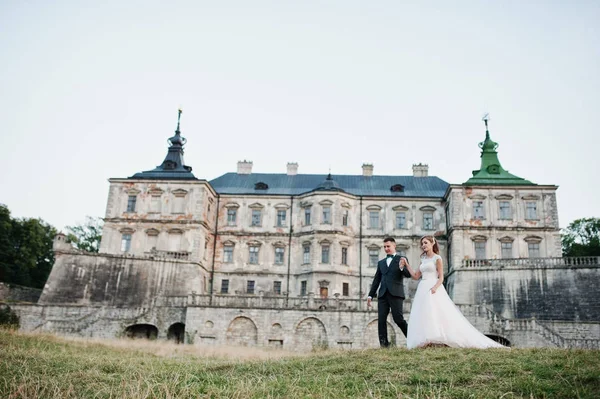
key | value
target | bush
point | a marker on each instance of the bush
(8, 318)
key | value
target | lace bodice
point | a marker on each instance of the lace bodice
(428, 268)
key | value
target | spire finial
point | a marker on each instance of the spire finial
(485, 120)
(179, 111)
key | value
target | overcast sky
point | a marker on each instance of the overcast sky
(89, 90)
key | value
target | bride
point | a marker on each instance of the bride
(434, 319)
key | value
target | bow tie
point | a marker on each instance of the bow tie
(390, 256)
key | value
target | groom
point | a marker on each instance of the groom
(390, 280)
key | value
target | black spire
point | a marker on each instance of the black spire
(173, 167)
(329, 184)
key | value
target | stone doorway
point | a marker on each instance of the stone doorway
(142, 331)
(176, 333)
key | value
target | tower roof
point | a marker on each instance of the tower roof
(329, 184)
(491, 171)
(173, 166)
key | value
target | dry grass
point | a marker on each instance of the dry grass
(172, 350)
(41, 366)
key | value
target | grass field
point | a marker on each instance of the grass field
(42, 366)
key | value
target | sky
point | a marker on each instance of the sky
(90, 90)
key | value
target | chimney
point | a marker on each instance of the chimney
(420, 170)
(244, 167)
(292, 168)
(367, 169)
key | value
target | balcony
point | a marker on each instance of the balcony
(580, 261)
(178, 255)
(307, 302)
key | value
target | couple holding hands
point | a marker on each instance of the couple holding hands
(434, 319)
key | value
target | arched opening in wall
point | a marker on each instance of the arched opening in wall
(310, 334)
(176, 333)
(242, 331)
(143, 331)
(499, 339)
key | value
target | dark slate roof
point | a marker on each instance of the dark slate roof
(282, 184)
(173, 167)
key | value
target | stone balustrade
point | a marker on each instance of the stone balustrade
(179, 255)
(579, 261)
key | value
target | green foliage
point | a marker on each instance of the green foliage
(86, 236)
(26, 255)
(8, 318)
(34, 366)
(582, 238)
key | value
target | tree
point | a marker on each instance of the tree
(582, 238)
(86, 236)
(26, 254)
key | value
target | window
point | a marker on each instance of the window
(126, 242)
(531, 210)
(256, 217)
(327, 214)
(253, 259)
(281, 214)
(345, 289)
(534, 249)
(303, 287)
(505, 210)
(506, 250)
(228, 254)
(131, 201)
(307, 216)
(250, 287)
(478, 212)
(400, 220)
(401, 252)
(427, 220)
(374, 219)
(344, 256)
(231, 216)
(479, 249)
(279, 254)
(325, 254)
(277, 287)
(174, 240)
(155, 204)
(345, 218)
(306, 254)
(224, 286)
(178, 202)
(373, 257)
(152, 241)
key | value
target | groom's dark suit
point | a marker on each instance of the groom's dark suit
(390, 280)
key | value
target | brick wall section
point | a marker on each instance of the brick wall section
(85, 279)
(288, 329)
(546, 293)
(17, 293)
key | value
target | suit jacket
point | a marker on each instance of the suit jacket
(389, 278)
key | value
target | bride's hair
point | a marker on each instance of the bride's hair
(431, 239)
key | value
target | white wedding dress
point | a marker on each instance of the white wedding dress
(434, 319)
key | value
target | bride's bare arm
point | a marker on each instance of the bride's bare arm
(440, 271)
(414, 274)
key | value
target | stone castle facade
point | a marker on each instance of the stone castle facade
(286, 259)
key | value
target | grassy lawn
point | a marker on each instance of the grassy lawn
(42, 366)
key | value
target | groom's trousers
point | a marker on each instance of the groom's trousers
(384, 304)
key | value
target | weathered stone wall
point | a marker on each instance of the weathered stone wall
(175, 217)
(493, 228)
(255, 323)
(102, 279)
(12, 292)
(521, 292)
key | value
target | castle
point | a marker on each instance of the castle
(284, 260)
